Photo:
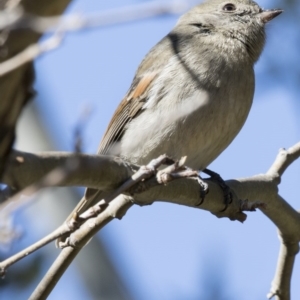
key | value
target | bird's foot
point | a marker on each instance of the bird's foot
(225, 188)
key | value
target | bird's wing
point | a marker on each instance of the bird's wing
(129, 108)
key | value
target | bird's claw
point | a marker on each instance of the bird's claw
(203, 189)
(228, 197)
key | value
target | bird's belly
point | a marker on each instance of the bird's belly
(199, 127)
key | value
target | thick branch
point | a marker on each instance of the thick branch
(106, 173)
(95, 171)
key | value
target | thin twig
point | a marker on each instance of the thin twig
(30, 53)
(143, 173)
(61, 25)
(92, 226)
(116, 208)
(68, 254)
(63, 229)
(55, 272)
(284, 159)
(108, 17)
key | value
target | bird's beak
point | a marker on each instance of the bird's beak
(268, 15)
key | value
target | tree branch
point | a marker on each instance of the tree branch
(95, 171)
(281, 284)
(284, 159)
(104, 172)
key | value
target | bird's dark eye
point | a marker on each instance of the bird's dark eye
(198, 25)
(229, 7)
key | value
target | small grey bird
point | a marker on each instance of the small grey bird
(193, 91)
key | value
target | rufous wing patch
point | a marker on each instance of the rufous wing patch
(129, 108)
(142, 86)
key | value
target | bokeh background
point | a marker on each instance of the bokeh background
(162, 251)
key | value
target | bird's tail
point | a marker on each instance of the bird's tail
(90, 198)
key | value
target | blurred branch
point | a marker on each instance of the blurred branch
(108, 17)
(96, 171)
(10, 16)
(55, 177)
(30, 53)
(16, 18)
(16, 87)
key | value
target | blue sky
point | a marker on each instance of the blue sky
(166, 251)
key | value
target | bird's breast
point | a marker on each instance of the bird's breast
(190, 119)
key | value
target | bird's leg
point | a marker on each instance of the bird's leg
(225, 188)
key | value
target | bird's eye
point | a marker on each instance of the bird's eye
(229, 7)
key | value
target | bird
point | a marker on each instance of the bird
(192, 92)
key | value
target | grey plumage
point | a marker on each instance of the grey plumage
(193, 91)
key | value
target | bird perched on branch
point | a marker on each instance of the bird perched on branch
(193, 91)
